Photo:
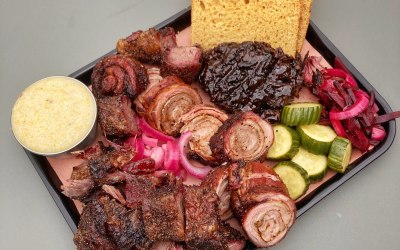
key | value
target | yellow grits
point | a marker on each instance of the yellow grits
(53, 115)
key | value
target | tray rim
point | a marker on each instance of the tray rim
(51, 181)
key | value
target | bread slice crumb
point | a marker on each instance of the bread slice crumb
(276, 22)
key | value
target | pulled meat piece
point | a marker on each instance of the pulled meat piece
(114, 193)
(184, 62)
(80, 184)
(107, 224)
(262, 203)
(169, 105)
(103, 168)
(244, 136)
(118, 75)
(204, 230)
(250, 76)
(148, 46)
(144, 100)
(163, 213)
(116, 117)
(203, 121)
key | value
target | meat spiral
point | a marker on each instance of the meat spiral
(169, 105)
(244, 136)
(117, 75)
(203, 121)
(262, 203)
(144, 100)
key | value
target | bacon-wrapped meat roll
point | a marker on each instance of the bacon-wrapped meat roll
(169, 105)
(262, 203)
(244, 136)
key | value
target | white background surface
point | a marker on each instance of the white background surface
(42, 38)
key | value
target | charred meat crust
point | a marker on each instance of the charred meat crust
(116, 117)
(106, 224)
(118, 75)
(163, 214)
(148, 46)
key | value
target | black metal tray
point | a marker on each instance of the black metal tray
(181, 20)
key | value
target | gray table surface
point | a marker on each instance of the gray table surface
(42, 38)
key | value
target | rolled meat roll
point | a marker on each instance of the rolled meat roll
(244, 136)
(169, 105)
(203, 121)
(118, 74)
(144, 100)
(262, 204)
(218, 181)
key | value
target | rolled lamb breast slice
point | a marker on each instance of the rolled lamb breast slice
(144, 100)
(262, 204)
(244, 136)
(169, 105)
(218, 181)
(203, 121)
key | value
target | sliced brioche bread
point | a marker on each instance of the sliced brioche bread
(305, 13)
(273, 21)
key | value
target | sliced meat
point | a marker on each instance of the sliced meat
(250, 76)
(169, 105)
(148, 46)
(118, 75)
(107, 224)
(262, 204)
(163, 213)
(218, 181)
(244, 136)
(184, 62)
(144, 100)
(116, 117)
(203, 121)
